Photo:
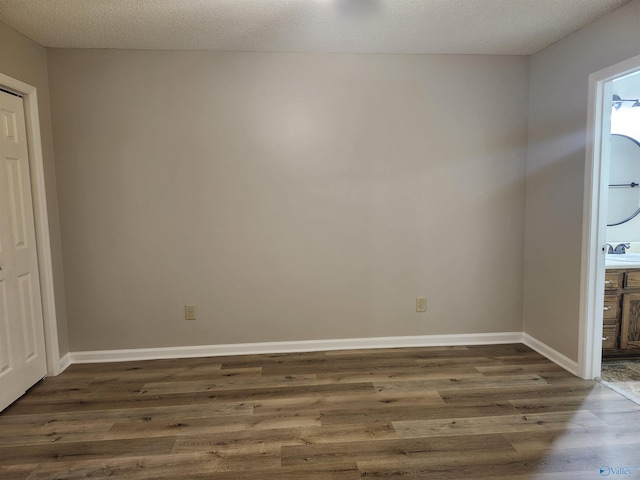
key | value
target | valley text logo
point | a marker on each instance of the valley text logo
(607, 470)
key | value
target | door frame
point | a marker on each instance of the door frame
(594, 229)
(29, 96)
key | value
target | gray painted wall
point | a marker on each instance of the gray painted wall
(555, 171)
(289, 196)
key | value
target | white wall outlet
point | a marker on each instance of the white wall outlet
(421, 304)
(189, 312)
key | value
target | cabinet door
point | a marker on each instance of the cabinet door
(630, 335)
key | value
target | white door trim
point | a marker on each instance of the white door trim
(594, 216)
(41, 217)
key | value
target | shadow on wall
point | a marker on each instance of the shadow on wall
(554, 211)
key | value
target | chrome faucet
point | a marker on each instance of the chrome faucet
(621, 248)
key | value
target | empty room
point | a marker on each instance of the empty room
(319, 239)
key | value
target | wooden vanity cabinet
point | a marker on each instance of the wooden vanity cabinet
(621, 318)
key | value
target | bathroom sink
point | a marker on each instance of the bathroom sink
(624, 258)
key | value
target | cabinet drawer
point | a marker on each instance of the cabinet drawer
(613, 280)
(610, 337)
(633, 280)
(611, 307)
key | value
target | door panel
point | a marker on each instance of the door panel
(16, 202)
(28, 322)
(5, 347)
(22, 353)
(630, 335)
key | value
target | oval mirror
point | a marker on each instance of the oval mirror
(624, 180)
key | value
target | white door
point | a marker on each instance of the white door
(22, 354)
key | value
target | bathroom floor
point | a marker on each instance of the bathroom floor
(624, 376)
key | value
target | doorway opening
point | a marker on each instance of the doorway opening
(600, 319)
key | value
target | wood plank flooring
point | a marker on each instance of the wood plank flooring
(484, 412)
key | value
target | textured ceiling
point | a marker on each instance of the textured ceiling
(506, 27)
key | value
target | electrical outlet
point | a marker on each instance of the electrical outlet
(421, 304)
(189, 312)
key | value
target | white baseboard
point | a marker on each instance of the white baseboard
(102, 356)
(64, 363)
(556, 357)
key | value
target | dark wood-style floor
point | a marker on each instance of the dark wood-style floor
(455, 413)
